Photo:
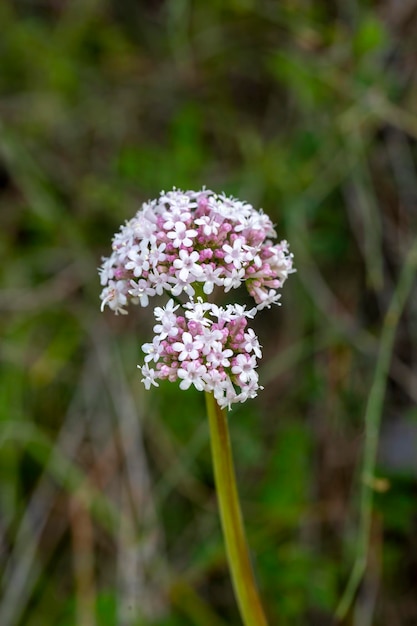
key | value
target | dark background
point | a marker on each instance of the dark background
(108, 514)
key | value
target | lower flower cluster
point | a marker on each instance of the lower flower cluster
(210, 347)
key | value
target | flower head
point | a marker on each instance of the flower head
(183, 238)
(213, 351)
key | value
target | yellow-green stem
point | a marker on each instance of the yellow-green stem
(231, 518)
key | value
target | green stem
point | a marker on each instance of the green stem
(372, 423)
(231, 518)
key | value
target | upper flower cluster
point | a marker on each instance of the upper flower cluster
(183, 238)
(189, 243)
(210, 347)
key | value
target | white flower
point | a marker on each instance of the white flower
(232, 311)
(188, 347)
(181, 285)
(160, 311)
(160, 281)
(209, 225)
(252, 343)
(187, 264)
(218, 357)
(267, 298)
(234, 279)
(156, 255)
(211, 277)
(153, 350)
(192, 373)
(139, 260)
(243, 367)
(148, 376)
(250, 390)
(106, 271)
(180, 205)
(225, 394)
(141, 290)
(114, 297)
(213, 378)
(211, 339)
(235, 254)
(167, 318)
(197, 311)
(144, 228)
(181, 236)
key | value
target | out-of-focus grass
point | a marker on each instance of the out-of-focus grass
(107, 509)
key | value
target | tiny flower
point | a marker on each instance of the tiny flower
(212, 277)
(212, 339)
(156, 255)
(182, 286)
(168, 309)
(225, 394)
(208, 225)
(197, 311)
(148, 376)
(267, 298)
(167, 318)
(234, 279)
(138, 261)
(106, 271)
(173, 216)
(192, 373)
(153, 350)
(252, 343)
(141, 290)
(187, 264)
(233, 311)
(218, 357)
(114, 296)
(214, 377)
(181, 236)
(159, 282)
(188, 347)
(235, 254)
(244, 367)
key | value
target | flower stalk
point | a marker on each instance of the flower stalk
(243, 579)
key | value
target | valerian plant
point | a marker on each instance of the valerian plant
(188, 246)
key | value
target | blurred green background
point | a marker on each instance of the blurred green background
(108, 513)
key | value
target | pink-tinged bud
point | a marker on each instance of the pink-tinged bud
(206, 254)
(202, 203)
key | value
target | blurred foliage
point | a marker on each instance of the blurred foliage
(107, 507)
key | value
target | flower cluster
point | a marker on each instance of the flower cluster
(186, 244)
(184, 238)
(210, 347)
